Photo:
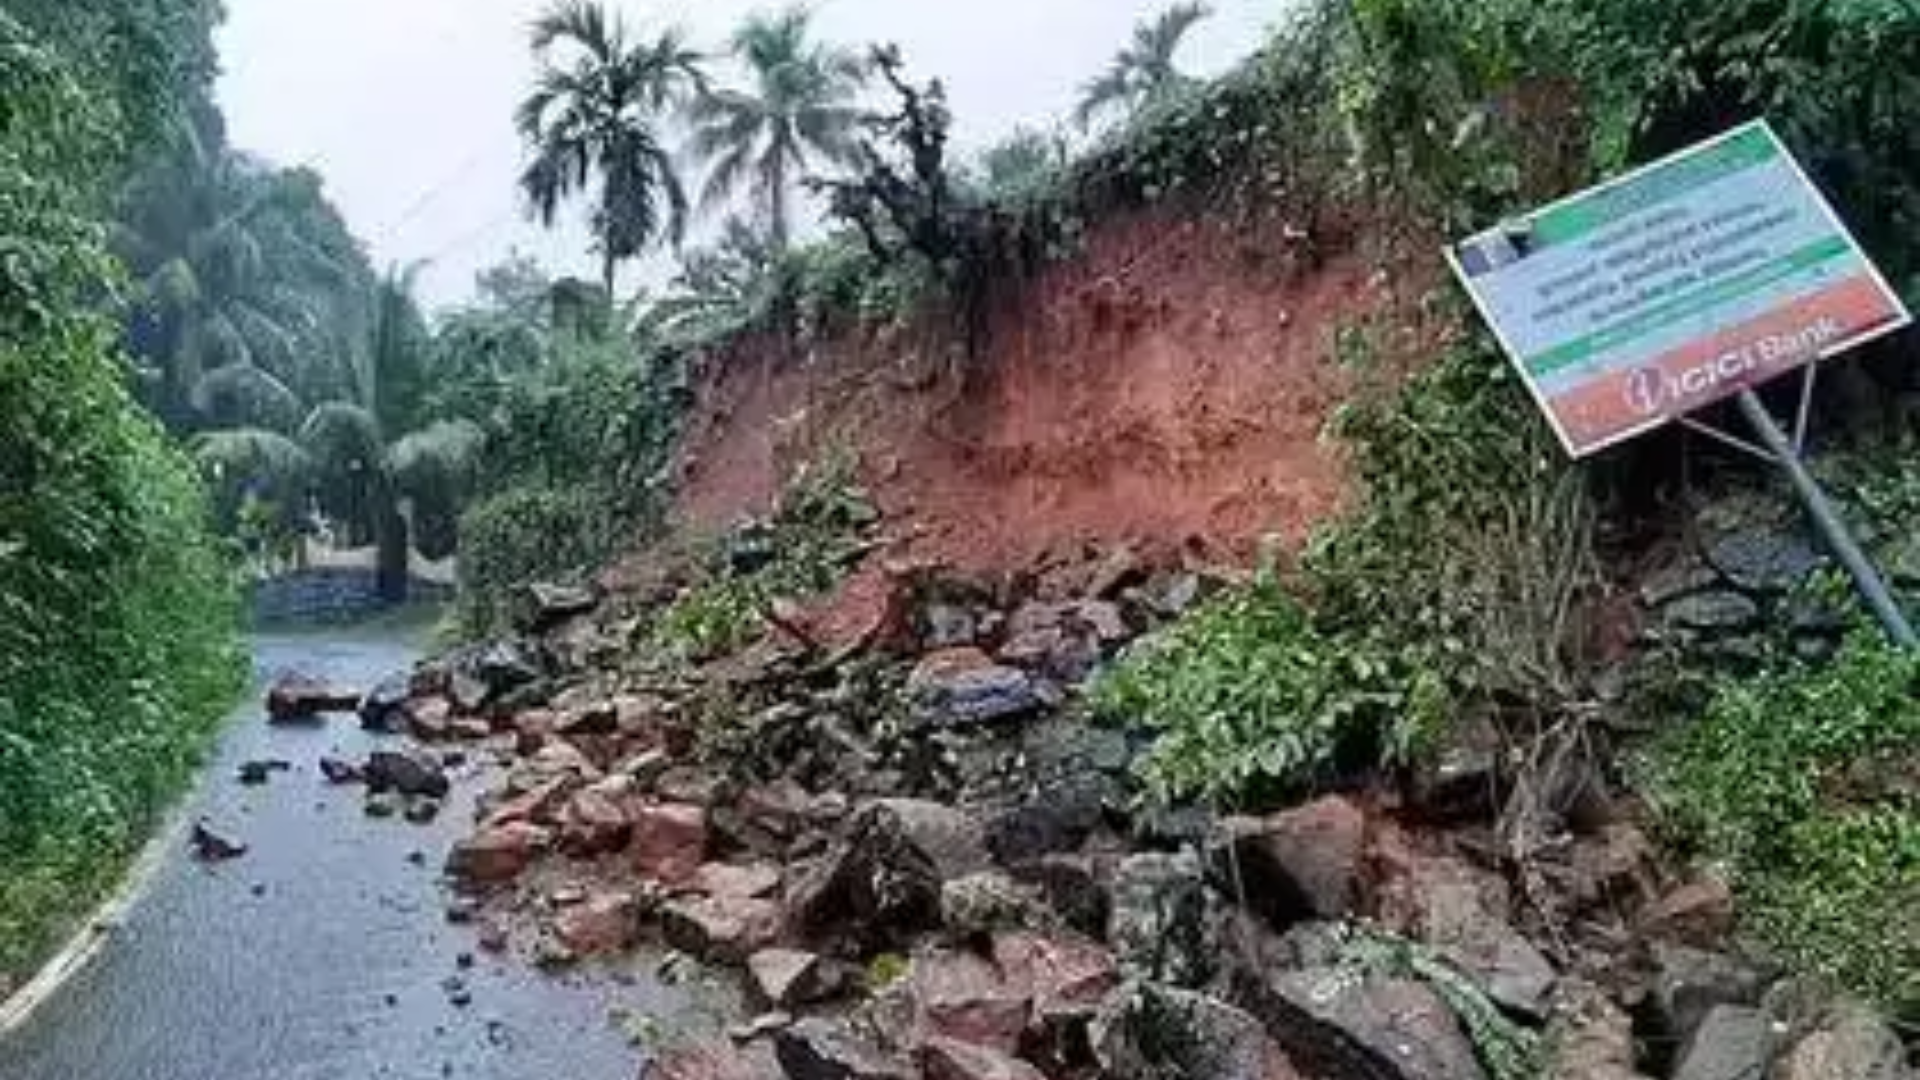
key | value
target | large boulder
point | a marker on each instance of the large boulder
(1066, 977)
(497, 855)
(1589, 1038)
(669, 841)
(881, 883)
(964, 997)
(544, 605)
(1848, 1042)
(1733, 1043)
(1304, 863)
(1689, 983)
(1340, 1021)
(960, 688)
(1163, 925)
(1462, 913)
(409, 773)
(723, 929)
(595, 820)
(788, 978)
(384, 708)
(1154, 1032)
(604, 923)
(296, 697)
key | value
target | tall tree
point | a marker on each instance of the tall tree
(801, 102)
(369, 449)
(593, 126)
(1144, 71)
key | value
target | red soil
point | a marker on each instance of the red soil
(1170, 384)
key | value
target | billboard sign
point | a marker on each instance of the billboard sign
(1682, 283)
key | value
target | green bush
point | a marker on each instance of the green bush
(1248, 697)
(117, 614)
(1800, 782)
(576, 465)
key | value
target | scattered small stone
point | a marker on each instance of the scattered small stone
(258, 889)
(257, 773)
(760, 1027)
(382, 804)
(210, 847)
(461, 910)
(421, 811)
(464, 961)
(417, 857)
(339, 773)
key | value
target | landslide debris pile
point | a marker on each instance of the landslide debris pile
(889, 815)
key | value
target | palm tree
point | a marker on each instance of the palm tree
(801, 102)
(1144, 72)
(594, 119)
(364, 453)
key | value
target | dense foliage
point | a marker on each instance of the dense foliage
(116, 612)
(1801, 782)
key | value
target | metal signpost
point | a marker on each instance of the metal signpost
(1681, 284)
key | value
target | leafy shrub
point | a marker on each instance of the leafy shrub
(1248, 695)
(117, 613)
(804, 549)
(577, 470)
(1800, 782)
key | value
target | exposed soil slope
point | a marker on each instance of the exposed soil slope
(1171, 383)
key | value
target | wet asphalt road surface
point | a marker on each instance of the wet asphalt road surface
(323, 954)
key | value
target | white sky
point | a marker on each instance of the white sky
(406, 105)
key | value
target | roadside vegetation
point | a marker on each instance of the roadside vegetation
(117, 613)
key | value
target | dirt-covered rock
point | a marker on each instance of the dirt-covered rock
(408, 772)
(1151, 1032)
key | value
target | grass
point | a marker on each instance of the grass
(1805, 785)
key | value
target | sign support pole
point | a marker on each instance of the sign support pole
(1866, 577)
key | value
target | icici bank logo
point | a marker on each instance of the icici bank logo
(1650, 390)
(1643, 391)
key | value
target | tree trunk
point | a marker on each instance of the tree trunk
(777, 228)
(609, 269)
(391, 546)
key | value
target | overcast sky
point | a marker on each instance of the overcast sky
(406, 105)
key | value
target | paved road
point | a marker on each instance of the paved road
(321, 955)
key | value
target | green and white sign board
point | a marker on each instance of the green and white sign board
(1632, 304)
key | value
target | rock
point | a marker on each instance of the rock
(545, 606)
(684, 784)
(428, 718)
(1066, 977)
(710, 1061)
(469, 729)
(1152, 1032)
(1764, 559)
(497, 854)
(782, 809)
(964, 997)
(339, 773)
(946, 626)
(606, 923)
(294, 697)
(594, 823)
(1162, 925)
(1718, 612)
(1304, 863)
(1850, 1042)
(211, 847)
(1676, 581)
(1590, 1038)
(382, 805)
(961, 688)
(724, 929)
(257, 773)
(1689, 983)
(1462, 913)
(669, 841)
(882, 882)
(1698, 913)
(538, 805)
(599, 718)
(462, 910)
(816, 1049)
(421, 810)
(1073, 887)
(1464, 779)
(761, 1026)
(1732, 1043)
(786, 978)
(754, 881)
(409, 773)
(945, 1059)
(984, 903)
(1399, 1027)
(384, 707)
